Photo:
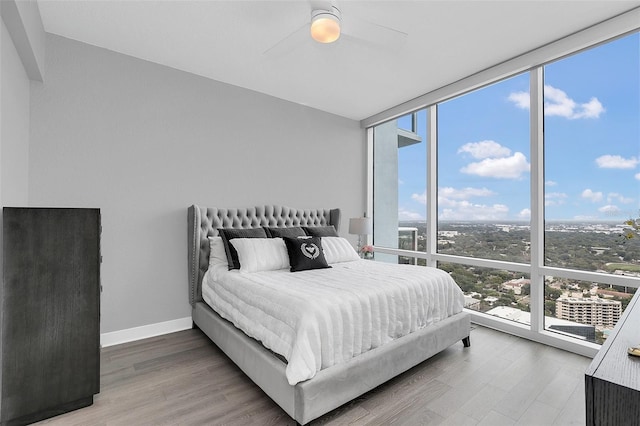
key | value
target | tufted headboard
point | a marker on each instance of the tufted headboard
(203, 222)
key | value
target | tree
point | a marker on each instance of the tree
(550, 308)
(551, 293)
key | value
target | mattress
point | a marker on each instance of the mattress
(319, 318)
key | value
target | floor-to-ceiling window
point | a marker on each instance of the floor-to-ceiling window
(539, 248)
(483, 195)
(592, 183)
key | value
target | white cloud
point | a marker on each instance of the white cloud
(592, 196)
(421, 198)
(455, 205)
(464, 210)
(637, 176)
(506, 168)
(521, 99)
(448, 193)
(447, 202)
(551, 183)
(404, 214)
(591, 109)
(609, 209)
(558, 103)
(554, 198)
(464, 193)
(485, 149)
(616, 162)
(614, 196)
(556, 195)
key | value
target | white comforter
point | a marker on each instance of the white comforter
(322, 317)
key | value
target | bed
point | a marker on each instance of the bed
(331, 386)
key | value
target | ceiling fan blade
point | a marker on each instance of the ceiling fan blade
(290, 42)
(376, 34)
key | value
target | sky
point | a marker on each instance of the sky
(592, 145)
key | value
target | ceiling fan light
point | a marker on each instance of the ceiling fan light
(325, 27)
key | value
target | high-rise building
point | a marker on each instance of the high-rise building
(594, 311)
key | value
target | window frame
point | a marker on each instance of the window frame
(534, 63)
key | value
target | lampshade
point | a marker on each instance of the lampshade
(361, 226)
(325, 25)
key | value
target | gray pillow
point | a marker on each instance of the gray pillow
(294, 231)
(321, 231)
(231, 233)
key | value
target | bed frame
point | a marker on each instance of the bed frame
(330, 387)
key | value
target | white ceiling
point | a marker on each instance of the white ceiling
(226, 41)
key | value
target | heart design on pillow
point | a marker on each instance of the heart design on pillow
(310, 250)
(305, 253)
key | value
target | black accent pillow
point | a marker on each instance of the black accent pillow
(321, 231)
(305, 253)
(293, 232)
(229, 234)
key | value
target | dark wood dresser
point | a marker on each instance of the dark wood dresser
(612, 381)
(50, 341)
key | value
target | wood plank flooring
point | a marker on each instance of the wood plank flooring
(184, 379)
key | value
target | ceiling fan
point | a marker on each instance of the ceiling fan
(327, 25)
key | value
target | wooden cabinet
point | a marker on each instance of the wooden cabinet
(612, 381)
(50, 341)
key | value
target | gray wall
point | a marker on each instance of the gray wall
(143, 142)
(14, 124)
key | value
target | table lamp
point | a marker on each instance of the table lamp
(360, 226)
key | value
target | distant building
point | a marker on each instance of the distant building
(491, 300)
(472, 303)
(594, 311)
(511, 314)
(599, 250)
(603, 292)
(448, 234)
(516, 285)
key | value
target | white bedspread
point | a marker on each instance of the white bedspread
(322, 317)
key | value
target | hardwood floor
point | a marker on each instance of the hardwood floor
(184, 379)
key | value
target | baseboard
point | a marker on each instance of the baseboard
(145, 331)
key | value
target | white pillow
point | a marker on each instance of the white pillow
(261, 254)
(217, 255)
(338, 249)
